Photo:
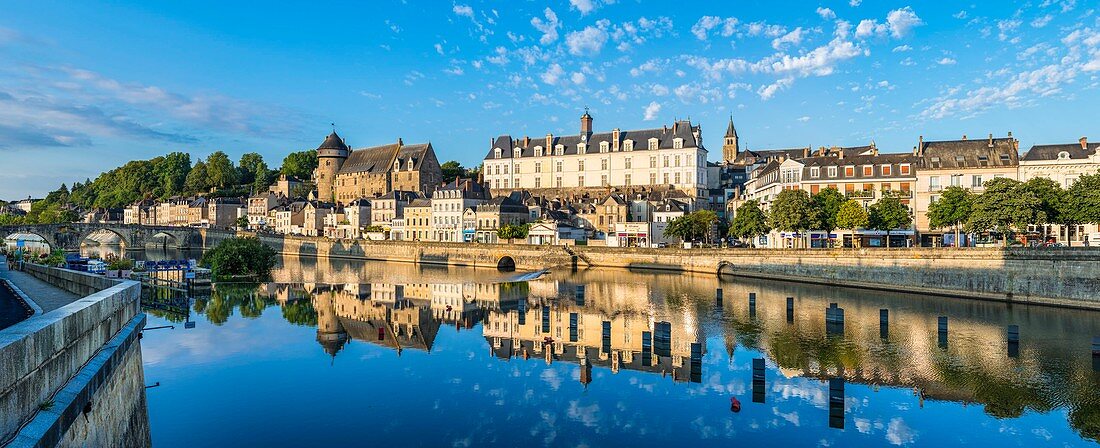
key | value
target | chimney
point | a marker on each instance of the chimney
(840, 154)
(919, 150)
(549, 144)
(399, 142)
(586, 123)
(526, 141)
(1084, 142)
(990, 139)
(615, 139)
(964, 136)
(805, 152)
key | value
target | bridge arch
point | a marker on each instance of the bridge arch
(724, 268)
(87, 234)
(43, 237)
(506, 263)
(163, 239)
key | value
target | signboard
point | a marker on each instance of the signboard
(189, 275)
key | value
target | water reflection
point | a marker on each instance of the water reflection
(863, 362)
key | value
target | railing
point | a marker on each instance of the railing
(861, 194)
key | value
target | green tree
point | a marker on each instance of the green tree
(240, 258)
(220, 171)
(792, 211)
(852, 216)
(1082, 201)
(1051, 196)
(253, 170)
(749, 221)
(1005, 204)
(513, 231)
(197, 179)
(952, 209)
(827, 203)
(888, 213)
(300, 164)
(242, 223)
(171, 173)
(452, 170)
(692, 226)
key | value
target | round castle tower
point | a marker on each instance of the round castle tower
(330, 157)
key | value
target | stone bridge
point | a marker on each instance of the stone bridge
(69, 236)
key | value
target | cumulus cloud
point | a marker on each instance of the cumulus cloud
(826, 13)
(651, 111)
(902, 48)
(725, 26)
(586, 42)
(803, 119)
(792, 38)
(578, 78)
(946, 61)
(463, 10)
(902, 21)
(1040, 22)
(552, 74)
(854, 3)
(548, 27)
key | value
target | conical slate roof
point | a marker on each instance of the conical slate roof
(333, 141)
(730, 131)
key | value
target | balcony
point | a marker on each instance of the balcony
(861, 194)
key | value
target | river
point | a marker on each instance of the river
(342, 353)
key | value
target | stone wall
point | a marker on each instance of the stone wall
(56, 363)
(1051, 276)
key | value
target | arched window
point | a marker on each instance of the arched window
(496, 153)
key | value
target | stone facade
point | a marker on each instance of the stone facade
(344, 175)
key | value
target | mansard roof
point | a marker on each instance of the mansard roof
(417, 153)
(895, 159)
(969, 153)
(1050, 152)
(665, 136)
(373, 160)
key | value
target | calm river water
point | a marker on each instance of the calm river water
(338, 353)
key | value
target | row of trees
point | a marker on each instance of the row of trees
(1008, 205)
(828, 210)
(693, 226)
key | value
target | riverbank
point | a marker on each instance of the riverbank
(1068, 277)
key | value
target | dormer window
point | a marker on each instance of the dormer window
(832, 171)
(960, 160)
(397, 165)
(677, 143)
(983, 161)
(410, 165)
(559, 150)
(1063, 155)
(1006, 159)
(581, 147)
(652, 144)
(628, 145)
(538, 151)
(496, 153)
(815, 172)
(517, 153)
(604, 146)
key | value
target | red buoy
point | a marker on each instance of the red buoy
(735, 404)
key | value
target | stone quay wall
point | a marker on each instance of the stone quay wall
(1049, 276)
(73, 376)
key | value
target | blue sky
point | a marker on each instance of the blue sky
(86, 86)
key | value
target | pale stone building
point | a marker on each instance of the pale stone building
(344, 175)
(448, 205)
(668, 157)
(1063, 163)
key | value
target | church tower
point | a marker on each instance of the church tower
(730, 148)
(330, 157)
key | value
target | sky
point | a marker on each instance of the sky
(87, 86)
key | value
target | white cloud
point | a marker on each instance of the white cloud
(946, 61)
(439, 48)
(548, 28)
(768, 91)
(587, 6)
(464, 10)
(708, 23)
(826, 13)
(552, 74)
(1040, 22)
(854, 3)
(803, 118)
(577, 78)
(902, 48)
(586, 42)
(651, 111)
(902, 21)
(793, 38)
(650, 66)
(659, 90)
(1007, 27)
(959, 15)
(869, 27)
(898, 433)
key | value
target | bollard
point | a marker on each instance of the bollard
(1096, 353)
(647, 348)
(790, 309)
(942, 333)
(574, 319)
(607, 336)
(662, 339)
(758, 380)
(836, 403)
(545, 319)
(578, 296)
(884, 323)
(696, 363)
(718, 298)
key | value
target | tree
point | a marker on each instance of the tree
(792, 211)
(1082, 201)
(827, 203)
(240, 257)
(513, 231)
(952, 209)
(171, 173)
(253, 170)
(197, 180)
(888, 213)
(1051, 195)
(242, 223)
(749, 221)
(452, 170)
(692, 226)
(1004, 205)
(220, 171)
(300, 164)
(852, 216)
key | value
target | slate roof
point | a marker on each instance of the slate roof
(1050, 152)
(401, 195)
(420, 202)
(664, 136)
(374, 160)
(977, 153)
(333, 141)
(470, 188)
(762, 154)
(417, 153)
(894, 160)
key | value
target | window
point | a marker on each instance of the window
(603, 180)
(538, 182)
(627, 162)
(506, 167)
(960, 160)
(1063, 155)
(815, 188)
(626, 179)
(666, 178)
(604, 146)
(887, 170)
(505, 183)
(849, 171)
(580, 165)
(935, 161)
(559, 150)
(677, 178)
(677, 143)
(815, 172)
(628, 145)
(976, 181)
(904, 169)
(934, 183)
(832, 171)
(983, 161)
(886, 187)
(557, 182)
(516, 169)
(581, 147)
(496, 153)
(868, 171)
(397, 165)
(538, 151)
(558, 166)
(580, 181)
(652, 178)
(603, 164)
(956, 180)
(538, 167)
(677, 160)
(666, 161)
(1006, 159)
(653, 161)
(652, 143)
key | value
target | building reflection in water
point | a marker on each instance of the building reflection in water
(1009, 359)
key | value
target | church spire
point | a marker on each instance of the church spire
(730, 130)
(730, 146)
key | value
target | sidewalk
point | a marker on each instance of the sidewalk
(47, 296)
